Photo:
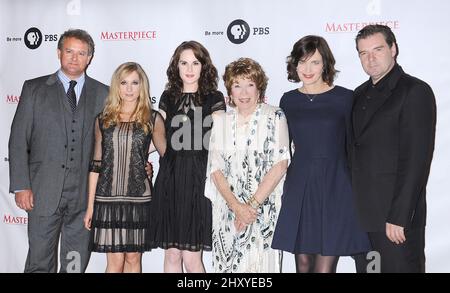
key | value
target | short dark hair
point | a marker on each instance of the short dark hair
(372, 29)
(79, 34)
(305, 48)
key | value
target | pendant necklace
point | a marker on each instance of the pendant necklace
(310, 97)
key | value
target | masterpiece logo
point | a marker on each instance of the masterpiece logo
(238, 31)
(354, 27)
(11, 99)
(129, 36)
(15, 220)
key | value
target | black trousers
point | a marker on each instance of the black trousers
(408, 257)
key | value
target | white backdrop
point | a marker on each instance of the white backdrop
(158, 27)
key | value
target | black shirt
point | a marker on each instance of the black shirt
(364, 107)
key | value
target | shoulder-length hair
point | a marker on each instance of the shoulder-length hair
(208, 80)
(305, 48)
(143, 110)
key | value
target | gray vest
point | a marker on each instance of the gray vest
(74, 129)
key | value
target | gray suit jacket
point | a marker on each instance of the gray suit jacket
(37, 152)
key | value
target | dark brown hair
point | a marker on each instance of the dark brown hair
(305, 48)
(79, 34)
(372, 29)
(208, 75)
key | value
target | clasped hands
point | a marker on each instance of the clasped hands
(244, 215)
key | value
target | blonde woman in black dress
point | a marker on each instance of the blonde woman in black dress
(119, 189)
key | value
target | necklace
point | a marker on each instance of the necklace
(310, 97)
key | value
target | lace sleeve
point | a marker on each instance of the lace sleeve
(218, 102)
(96, 161)
(163, 102)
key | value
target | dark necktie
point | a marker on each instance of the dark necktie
(71, 95)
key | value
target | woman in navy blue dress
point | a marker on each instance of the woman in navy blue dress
(317, 221)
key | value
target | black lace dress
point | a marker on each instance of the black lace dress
(181, 214)
(120, 221)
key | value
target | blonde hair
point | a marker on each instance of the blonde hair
(143, 110)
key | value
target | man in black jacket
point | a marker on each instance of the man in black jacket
(394, 119)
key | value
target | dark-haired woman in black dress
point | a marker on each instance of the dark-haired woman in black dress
(182, 216)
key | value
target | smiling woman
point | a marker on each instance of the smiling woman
(119, 189)
(246, 165)
(190, 69)
(318, 221)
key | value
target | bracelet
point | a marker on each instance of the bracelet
(253, 202)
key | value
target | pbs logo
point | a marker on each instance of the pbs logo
(33, 38)
(238, 31)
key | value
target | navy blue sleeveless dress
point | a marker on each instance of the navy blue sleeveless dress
(318, 214)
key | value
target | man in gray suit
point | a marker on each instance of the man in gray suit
(49, 154)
